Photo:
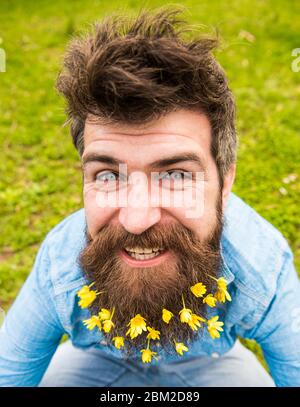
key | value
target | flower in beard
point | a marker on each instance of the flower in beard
(166, 315)
(185, 313)
(119, 341)
(108, 324)
(147, 354)
(198, 289)
(214, 326)
(87, 296)
(210, 300)
(104, 314)
(222, 294)
(137, 326)
(180, 347)
(92, 322)
(194, 323)
(153, 334)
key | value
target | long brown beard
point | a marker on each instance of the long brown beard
(146, 291)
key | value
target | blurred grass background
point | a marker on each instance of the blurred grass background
(40, 181)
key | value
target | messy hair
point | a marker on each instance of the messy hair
(133, 70)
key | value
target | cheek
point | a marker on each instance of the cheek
(96, 216)
(200, 218)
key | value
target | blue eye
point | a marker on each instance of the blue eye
(175, 179)
(106, 177)
(110, 181)
(175, 175)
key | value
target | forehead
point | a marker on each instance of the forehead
(175, 132)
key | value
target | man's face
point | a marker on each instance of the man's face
(175, 134)
(119, 256)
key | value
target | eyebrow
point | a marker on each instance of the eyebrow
(163, 162)
(188, 156)
(101, 158)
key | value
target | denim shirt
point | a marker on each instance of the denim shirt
(257, 264)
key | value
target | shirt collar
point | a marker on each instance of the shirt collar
(226, 272)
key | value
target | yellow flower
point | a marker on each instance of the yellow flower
(222, 294)
(87, 299)
(185, 313)
(195, 322)
(166, 315)
(210, 300)
(180, 347)
(198, 289)
(84, 290)
(92, 322)
(108, 325)
(104, 314)
(119, 341)
(153, 334)
(87, 296)
(147, 355)
(213, 326)
(222, 283)
(137, 326)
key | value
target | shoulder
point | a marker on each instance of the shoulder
(254, 250)
(74, 223)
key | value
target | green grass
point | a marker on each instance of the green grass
(40, 179)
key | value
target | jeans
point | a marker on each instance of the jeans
(75, 367)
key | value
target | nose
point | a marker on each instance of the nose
(137, 220)
(139, 214)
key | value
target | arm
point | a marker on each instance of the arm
(31, 330)
(278, 332)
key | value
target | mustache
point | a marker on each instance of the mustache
(173, 236)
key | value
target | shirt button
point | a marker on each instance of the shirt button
(215, 355)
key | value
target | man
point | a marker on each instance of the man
(164, 267)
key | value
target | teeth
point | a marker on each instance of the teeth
(138, 256)
(140, 250)
(139, 253)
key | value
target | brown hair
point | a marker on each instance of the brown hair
(133, 71)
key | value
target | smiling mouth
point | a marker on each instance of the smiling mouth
(138, 253)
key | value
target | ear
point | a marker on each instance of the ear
(228, 182)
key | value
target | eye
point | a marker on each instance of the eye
(109, 180)
(175, 175)
(175, 178)
(106, 177)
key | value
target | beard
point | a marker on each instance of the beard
(146, 291)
